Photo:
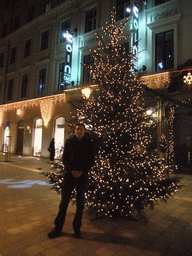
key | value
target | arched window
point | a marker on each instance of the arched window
(6, 142)
(59, 136)
(38, 137)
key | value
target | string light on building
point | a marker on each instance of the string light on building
(18, 112)
(46, 108)
(157, 81)
(46, 105)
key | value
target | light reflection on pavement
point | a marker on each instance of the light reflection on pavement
(23, 184)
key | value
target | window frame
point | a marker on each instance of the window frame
(64, 29)
(31, 13)
(27, 50)
(92, 20)
(24, 86)
(161, 2)
(165, 43)
(10, 90)
(60, 77)
(87, 78)
(1, 59)
(123, 5)
(42, 76)
(4, 30)
(44, 40)
(16, 22)
(13, 55)
(47, 5)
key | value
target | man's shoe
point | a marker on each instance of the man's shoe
(77, 234)
(54, 233)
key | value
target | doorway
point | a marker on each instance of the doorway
(20, 135)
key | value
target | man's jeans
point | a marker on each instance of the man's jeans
(68, 185)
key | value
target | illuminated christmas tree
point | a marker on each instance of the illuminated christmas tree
(127, 175)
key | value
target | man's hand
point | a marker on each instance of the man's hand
(76, 174)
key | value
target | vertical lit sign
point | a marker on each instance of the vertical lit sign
(135, 36)
(69, 48)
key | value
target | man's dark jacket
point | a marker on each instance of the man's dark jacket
(78, 154)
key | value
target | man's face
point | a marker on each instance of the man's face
(79, 131)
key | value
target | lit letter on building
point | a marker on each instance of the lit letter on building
(135, 36)
(69, 48)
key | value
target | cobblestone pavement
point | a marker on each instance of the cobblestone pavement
(29, 206)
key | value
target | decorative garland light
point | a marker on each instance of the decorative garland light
(188, 79)
(46, 105)
(157, 81)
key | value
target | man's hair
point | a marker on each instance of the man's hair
(80, 124)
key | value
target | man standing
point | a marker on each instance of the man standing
(78, 158)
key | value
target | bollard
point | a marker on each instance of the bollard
(7, 157)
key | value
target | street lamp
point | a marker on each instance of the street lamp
(86, 92)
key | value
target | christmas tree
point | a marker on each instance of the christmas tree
(128, 175)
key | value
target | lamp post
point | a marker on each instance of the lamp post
(86, 92)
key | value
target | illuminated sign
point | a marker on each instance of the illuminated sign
(69, 48)
(135, 36)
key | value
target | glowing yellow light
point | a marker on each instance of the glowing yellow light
(46, 105)
(18, 112)
(46, 108)
(86, 92)
(188, 79)
(149, 112)
(29, 129)
(157, 81)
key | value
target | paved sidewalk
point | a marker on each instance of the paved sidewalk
(27, 162)
(29, 206)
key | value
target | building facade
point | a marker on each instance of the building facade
(43, 46)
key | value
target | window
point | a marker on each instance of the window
(44, 40)
(91, 17)
(1, 59)
(24, 86)
(13, 55)
(38, 137)
(59, 137)
(4, 30)
(31, 12)
(123, 9)
(47, 5)
(10, 90)
(65, 26)
(157, 2)
(88, 60)
(61, 1)
(16, 23)
(164, 51)
(27, 48)
(61, 77)
(42, 80)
